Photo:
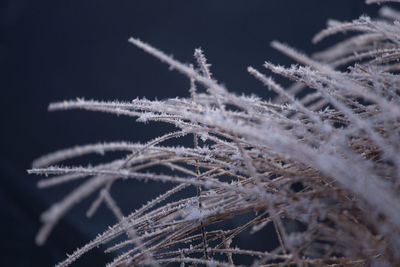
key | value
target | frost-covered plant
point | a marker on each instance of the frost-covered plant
(339, 144)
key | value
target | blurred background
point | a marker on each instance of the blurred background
(56, 50)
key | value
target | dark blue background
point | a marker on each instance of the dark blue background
(56, 50)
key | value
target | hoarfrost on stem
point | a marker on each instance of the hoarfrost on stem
(329, 159)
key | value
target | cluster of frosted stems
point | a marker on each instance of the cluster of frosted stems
(328, 160)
